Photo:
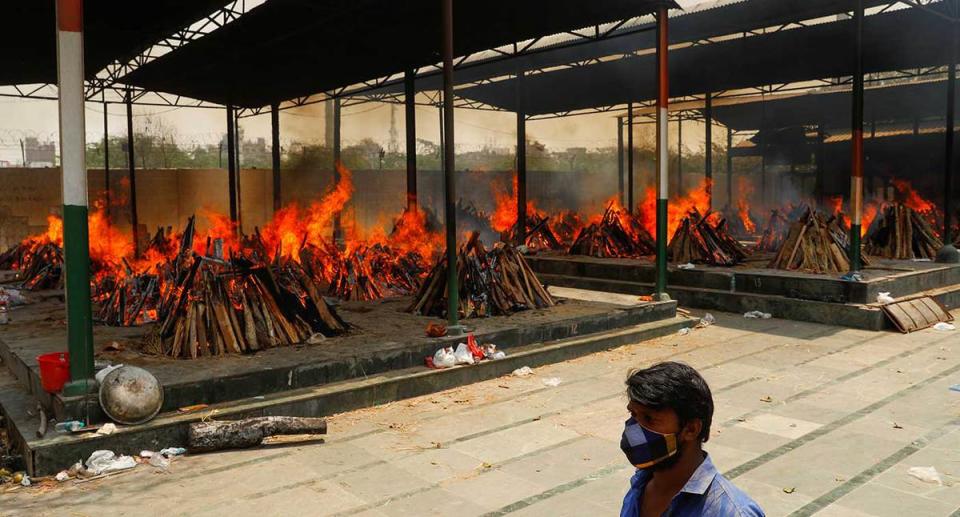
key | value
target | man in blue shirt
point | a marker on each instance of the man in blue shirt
(671, 409)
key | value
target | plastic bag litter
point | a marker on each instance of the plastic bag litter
(944, 326)
(463, 355)
(757, 315)
(706, 321)
(102, 374)
(13, 296)
(686, 266)
(926, 474)
(684, 331)
(490, 352)
(159, 461)
(884, 298)
(444, 358)
(62, 476)
(173, 451)
(102, 461)
(146, 454)
(552, 381)
(25, 480)
(108, 428)
(522, 372)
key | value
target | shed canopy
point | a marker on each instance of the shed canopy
(825, 50)
(897, 103)
(113, 30)
(285, 49)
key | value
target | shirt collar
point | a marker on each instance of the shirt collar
(702, 478)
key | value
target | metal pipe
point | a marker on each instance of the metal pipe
(106, 160)
(630, 187)
(410, 121)
(950, 254)
(856, 170)
(521, 163)
(337, 164)
(132, 168)
(275, 154)
(762, 137)
(708, 151)
(818, 187)
(232, 165)
(663, 105)
(730, 168)
(620, 158)
(70, 92)
(680, 152)
(450, 180)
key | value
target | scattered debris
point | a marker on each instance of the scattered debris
(944, 326)
(522, 372)
(684, 331)
(104, 461)
(926, 474)
(897, 426)
(789, 490)
(105, 429)
(767, 398)
(194, 407)
(443, 358)
(885, 298)
(114, 346)
(552, 382)
(755, 315)
(462, 355)
(436, 330)
(62, 476)
(686, 266)
(70, 426)
(102, 374)
(706, 321)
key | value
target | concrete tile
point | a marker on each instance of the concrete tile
(772, 499)
(791, 428)
(725, 458)
(808, 412)
(881, 501)
(566, 463)
(516, 441)
(437, 501)
(748, 440)
(382, 482)
(493, 488)
(435, 465)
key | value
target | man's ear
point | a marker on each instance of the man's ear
(691, 431)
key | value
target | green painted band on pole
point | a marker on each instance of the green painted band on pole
(855, 247)
(76, 254)
(661, 284)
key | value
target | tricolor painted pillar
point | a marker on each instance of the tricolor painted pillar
(449, 178)
(856, 170)
(275, 154)
(132, 175)
(521, 163)
(76, 239)
(663, 158)
(410, 121)
(630, 207)
(620, 158)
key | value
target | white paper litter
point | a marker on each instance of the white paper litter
(159, 461)
(146, 454)
(552, 381)
(522, 372)
(463, 355)
(62, 476)
(757, 315)
(102, 374)
(884, 298)
(944, 326)
(706, 321)
(173, 451)
(108, 428)
(25, 481)
(684, 331)
(444, 358)
(686, 266)
(102, 461)
(926, 474)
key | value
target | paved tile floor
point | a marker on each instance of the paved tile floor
(809, 420)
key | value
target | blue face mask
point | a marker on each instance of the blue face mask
(645, 448)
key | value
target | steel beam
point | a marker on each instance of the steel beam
(232, 167)
(132, 171)
(275, 155)
(106, 159)
(337, 164)
(948, 253)
(449, 178)
(708, 150)
(410, 121)
(521, 165)
(620, 163)
(630, 189)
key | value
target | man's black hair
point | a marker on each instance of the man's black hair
(675, 386)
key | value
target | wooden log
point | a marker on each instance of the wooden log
(249, 432)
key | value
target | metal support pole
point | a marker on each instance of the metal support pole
(410, 121)
(132, 169)
(275, 154)
(450, 180)
(630, 189)
(730, 168)
(337, 228)
(106, 159)
(763, 151)
(856, 171)
(949, 253)
(708, 151)
(232, 166)
(818, 187)
(663, 168)
(74, 173)
(521, 164)
(620, 158)
(680, 153)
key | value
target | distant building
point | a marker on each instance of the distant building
(36, 154)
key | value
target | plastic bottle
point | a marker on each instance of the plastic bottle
(69, 426)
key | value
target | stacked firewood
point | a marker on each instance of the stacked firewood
(130, 300)
(618, 234)
(490, 283)
(539, 235)
(816, 244)
(566, 225)
(39, 264)
(774, 232)
(697, 241)
(900, 232)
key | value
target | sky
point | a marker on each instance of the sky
(21, 118)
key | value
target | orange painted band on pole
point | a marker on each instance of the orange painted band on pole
(663, 75)
(70, 15)
(857, 169)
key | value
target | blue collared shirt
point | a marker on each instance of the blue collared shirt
(707, 493)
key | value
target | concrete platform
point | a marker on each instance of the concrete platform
(749, 286)
(381, 360)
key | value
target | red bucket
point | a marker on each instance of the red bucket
(54, 371)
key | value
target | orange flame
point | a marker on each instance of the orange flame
(912, 199)
(677, 208)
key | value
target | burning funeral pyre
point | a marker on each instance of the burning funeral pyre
(775, 232)
(900, 232)
(696, 240)
(490, 283)
(616, 234)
